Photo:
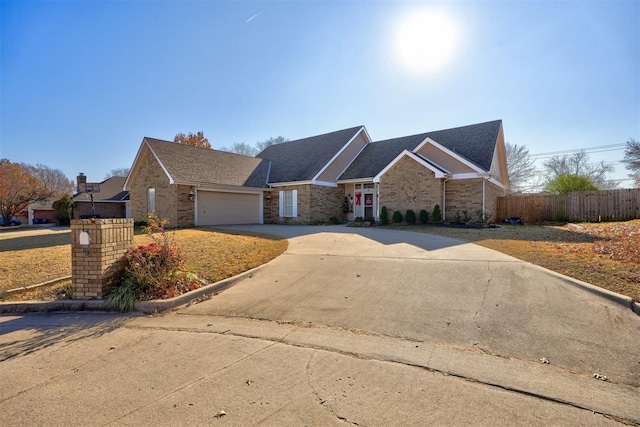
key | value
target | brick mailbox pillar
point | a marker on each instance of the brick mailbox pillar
(93, 265)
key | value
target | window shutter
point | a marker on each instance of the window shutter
(294, 201)
(281, 204)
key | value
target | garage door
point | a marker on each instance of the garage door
(217, 208)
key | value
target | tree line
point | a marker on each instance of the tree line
(565, 173)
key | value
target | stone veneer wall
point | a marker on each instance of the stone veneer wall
(94, 267)
(409, 185)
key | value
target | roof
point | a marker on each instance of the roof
(110, 191)
(187, 164)
(302, 159)
(476, 143)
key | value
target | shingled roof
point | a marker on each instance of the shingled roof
(475, 143)
(187, 164)
(110, 191)
(302, 159)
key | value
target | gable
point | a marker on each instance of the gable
(444, 159)
(334, 168)
(304, 159)
(184, 164)
(408, 156)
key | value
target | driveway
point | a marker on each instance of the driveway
(349, 326)
(433, 289)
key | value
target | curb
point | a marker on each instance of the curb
(601, 292)
(141, 306)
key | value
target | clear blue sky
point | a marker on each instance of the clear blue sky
(82, 82)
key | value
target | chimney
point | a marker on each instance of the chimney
(81, 180)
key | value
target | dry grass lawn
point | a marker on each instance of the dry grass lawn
(213, 255)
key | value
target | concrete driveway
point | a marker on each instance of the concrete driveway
(349, 326)
(433, 289)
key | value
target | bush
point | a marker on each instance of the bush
(334, 220)
(384, 216)
(153, 269)
(370, 220)
(423, 216)
(436, 216)
(410, 217)
(63, 210)
(397, 217)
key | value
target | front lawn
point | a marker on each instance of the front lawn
(211, 254)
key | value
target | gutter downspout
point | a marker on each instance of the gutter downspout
(447, 177)
(485, 177)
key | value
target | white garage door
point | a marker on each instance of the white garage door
(217, 208)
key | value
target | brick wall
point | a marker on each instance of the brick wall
(104, 209)
(170, 199)
(94, 267)
(409, 185)
(467, 195)
(316, 203)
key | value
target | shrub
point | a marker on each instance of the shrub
(345, 205)
(423, 216)
(397, 217)
(384, 216)
(63, 210)
(359, 219)
(370, 220)
(153, 269)
(334, 220)
(436, 216)
(410, 217)
(483, 216)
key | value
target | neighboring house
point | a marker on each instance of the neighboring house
(42, 210)
(110, 202)
(308, 180)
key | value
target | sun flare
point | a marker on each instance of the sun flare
(425, 41)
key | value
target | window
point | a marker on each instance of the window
(151, 200)
(288, 203)
(369, 185)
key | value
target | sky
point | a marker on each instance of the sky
(82, 82)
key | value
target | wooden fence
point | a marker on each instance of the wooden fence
(588, 206)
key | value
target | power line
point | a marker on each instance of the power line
(596, 149)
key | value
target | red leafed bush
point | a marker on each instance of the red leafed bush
(154, 264)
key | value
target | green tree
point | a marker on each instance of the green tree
(578, 164)
(384, 216)
(397, 217)
(567, 183)
(423, 216)
(410, 216)
(436, 216)
(63, 209)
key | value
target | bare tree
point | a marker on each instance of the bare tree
(521, 168)
(261, 145)
(632, 159)
(53, 180)
(578, 164)
(250, 150)
(241, 148)
(124, 172)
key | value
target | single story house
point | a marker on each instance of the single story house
(313, 179)
(109, 199)
(42, 210)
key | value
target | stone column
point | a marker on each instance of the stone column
(94, 265)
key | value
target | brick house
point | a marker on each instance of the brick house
(309, 180)
(110, 202)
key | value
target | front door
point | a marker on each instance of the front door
(368, 205)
